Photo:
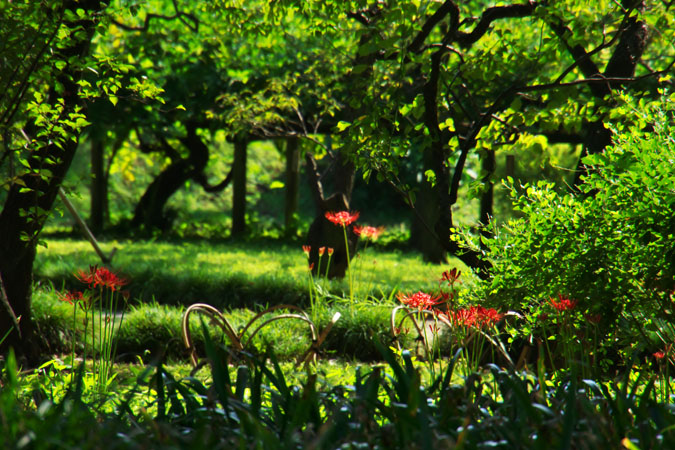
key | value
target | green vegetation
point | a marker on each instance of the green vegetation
(229, 275)
(519, 156)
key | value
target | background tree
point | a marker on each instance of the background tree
(451, 80)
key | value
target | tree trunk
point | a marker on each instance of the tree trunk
(149, 211)
(29, 201)
(323, 233)
(239, 188)
(627, 54)
(489, 164)
(292, 186)
(426, 214)
(98, 187)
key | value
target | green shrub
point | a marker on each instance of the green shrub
(611, 246)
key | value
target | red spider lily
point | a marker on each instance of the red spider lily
(87, 277)
(398, 330)
(330, 250)
(464, 317)
(490, 316)
(322, 250)
(342, 218)
(475, 316)
(72, 297)
(659, 355)
(419, 300)
(451, 275)
(311, 267)
(306, 249)
(106, 278)
(368, 232)
(563, 304)
(100, 276)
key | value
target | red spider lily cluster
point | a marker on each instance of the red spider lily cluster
(308, 248)
(342, 218)
(563, 303)
(72, 297)
(451, 276)
(473, 316)
(368, 232)
(84, 299)
(419, 300)
(100, 276)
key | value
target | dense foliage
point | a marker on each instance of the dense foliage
(610, 246)
(383, 407)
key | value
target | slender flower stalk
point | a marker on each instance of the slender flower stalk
(330, 251)
(564, 307)
(104, 289)
(344, 219)
(369, 234)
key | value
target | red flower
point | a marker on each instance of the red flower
(419, 300)
(311, 267)
(330, 250)
(306, 249)
(322, 251)
(475, 316)
(72, 297)
(464, 317)
(100, 276)
(342, 218)
(87, 277)
(451, 276)
(106, 278)
(489, 316)
(659, 355)
(563, 304)
(368, 232)
(398, 331)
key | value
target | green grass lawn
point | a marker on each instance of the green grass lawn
(229, 275)
(237, 278)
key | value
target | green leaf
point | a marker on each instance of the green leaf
(342, 125)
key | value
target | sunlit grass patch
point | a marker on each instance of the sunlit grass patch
(231, 274)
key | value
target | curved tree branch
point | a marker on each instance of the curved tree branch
(489, 16)
(187, 19)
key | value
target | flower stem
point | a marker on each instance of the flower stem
(349, 268)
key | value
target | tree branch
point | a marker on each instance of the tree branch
(187, 19)
(489, 16)
(211, 188)
(446, 8)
